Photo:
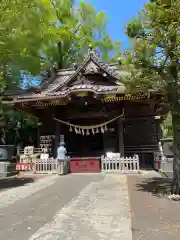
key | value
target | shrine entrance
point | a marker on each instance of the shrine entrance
(92, 142)
(84, 146)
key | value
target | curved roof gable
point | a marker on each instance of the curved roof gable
(92, 64)
(64, 82)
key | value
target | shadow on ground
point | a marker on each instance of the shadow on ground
(156, 186)
(14, 182)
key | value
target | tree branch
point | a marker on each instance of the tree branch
(54, 6)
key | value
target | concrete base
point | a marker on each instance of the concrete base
(7, 169)
(166, 174)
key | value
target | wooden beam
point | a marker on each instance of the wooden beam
(88, 115)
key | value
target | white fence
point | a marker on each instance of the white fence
(52, 166)
(118, 164)
(46, 166)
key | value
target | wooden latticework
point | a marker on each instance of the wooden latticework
(140, 132)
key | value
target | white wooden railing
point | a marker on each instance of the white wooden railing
(46, 165)
(120, 164)
(52, 165)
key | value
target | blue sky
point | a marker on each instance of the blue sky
(119, 12)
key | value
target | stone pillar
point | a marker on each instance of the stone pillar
(120, 137)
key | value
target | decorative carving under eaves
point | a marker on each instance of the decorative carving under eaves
(91, 68)
(80, 80)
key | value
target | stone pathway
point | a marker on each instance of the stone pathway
(14, 194)
(101, 211)
(82, 206)
(90, 207)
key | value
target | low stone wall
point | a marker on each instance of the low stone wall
(7, 169)
(167, 165)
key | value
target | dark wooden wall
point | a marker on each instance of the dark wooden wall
(140, 130)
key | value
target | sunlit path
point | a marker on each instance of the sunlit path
(101, 211)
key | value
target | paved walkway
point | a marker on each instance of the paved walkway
(85, 206)
(18, 193)
(91, 207)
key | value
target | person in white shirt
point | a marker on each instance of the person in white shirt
(61, 151)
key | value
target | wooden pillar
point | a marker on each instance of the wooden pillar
(159, 131)
(120, 137)
(57, 135)
(38, 134)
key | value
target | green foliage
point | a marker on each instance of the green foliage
(154, 62)
(20, 38)
(154, 57)
(167, 126)
(31, 31)
(82, 27)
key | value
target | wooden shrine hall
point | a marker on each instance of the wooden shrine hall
(89, 108)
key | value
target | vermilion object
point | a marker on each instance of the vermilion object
(85, 165)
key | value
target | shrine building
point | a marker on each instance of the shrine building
(89, 108)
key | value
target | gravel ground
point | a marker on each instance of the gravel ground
(154, 216)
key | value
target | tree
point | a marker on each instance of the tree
(154, 61)
(20, 32)
(74, 28)
(20, 38)
(36, 35)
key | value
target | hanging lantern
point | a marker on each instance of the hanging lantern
(87, 132)
(97, 130)
(76, 131)
(93, 131)
(105, 128)
(79, 131)
(83, 132)
(102, 130)
(70, 129)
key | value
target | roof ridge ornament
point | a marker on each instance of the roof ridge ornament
(92, 52)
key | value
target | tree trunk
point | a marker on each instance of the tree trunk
(176, 150)
(173, 92)
(60, 55)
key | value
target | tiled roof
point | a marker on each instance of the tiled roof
(59, 84)
(92, 56)
(98, 89)
(59, 80)
(95, 88)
